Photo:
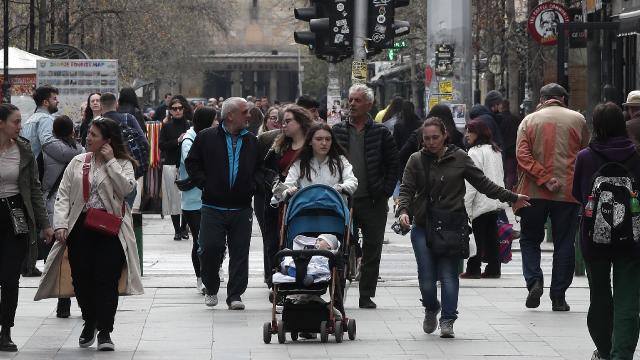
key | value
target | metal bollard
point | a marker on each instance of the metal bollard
(137, 229)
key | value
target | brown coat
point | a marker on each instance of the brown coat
(633, 129)
(118, 183)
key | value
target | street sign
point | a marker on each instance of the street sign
(358, 72)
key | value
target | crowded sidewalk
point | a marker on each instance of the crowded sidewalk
(170, 321)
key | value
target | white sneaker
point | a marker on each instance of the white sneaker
(200, 286)
(236, 305)
(211, 300)
(221, 274)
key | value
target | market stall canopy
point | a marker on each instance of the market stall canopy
(20, 61)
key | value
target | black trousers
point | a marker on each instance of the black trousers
(485, 235)
(96, 265)
(13, 249)
(234, 228)
(370, 215)
(192, 217)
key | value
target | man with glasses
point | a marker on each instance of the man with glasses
(227, 188)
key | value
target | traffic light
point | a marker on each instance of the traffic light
(383, 27)
(331, 35)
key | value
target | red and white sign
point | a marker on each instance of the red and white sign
(543, 22)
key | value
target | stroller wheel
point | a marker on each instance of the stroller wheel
(324, 335)
(266, 332)
(338, 331)
(294, 336)
(281, 333)
(351, 329)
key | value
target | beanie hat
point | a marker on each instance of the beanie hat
(493, 98)
(332, 240)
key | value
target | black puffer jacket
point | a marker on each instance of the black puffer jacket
(381, 155)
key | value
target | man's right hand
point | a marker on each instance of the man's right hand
(61, 235)
(552, 185)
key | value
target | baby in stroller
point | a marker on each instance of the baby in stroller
(318, 267)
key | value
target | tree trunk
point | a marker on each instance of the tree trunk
(32, 26)
(513, 66)
(53, 22)
(42, 24)
(63, 32)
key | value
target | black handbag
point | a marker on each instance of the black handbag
(447, 231)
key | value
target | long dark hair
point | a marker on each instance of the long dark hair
(408, 115)
(128, 97)
(111, 130)
(394, 108)
(188, 110)
(443, 112)
(335, 151)
(303, 117)
(203, 118)
(63, 130)
(88, 113)
(608, 122)
(483, 132)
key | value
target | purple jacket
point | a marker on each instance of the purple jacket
(617, 149)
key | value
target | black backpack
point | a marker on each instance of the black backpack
(610, 217)
(138, 146)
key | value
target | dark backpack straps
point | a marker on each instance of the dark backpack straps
(427, 173)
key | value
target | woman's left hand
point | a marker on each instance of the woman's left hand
(107, 152)
(521, 202)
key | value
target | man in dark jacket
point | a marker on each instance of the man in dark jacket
(161, 111)
(373, 154)
(227, 184)
(509, 127)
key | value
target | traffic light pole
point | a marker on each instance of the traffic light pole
(359, 65)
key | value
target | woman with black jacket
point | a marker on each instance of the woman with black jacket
(284, 152)
(171, 135)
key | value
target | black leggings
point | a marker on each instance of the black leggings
(485, 233)
(192, 218)
(13, 249)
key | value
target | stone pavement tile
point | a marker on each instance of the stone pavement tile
(532, 348)
(380, 347)
(311, 349)
(461, 347)
(176, 353)
(426, 345)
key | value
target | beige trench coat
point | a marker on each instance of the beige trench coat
(118, 182)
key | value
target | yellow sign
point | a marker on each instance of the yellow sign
(433, 101)
(445, 87)
(447, 97)
(358, 72)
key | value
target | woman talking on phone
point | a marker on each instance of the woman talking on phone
(93, 223)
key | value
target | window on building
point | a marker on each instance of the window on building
(254, 10)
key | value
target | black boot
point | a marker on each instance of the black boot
(6, 344)
(559, 304)
(535, 292)
(64, 308)
(104, 341)
(88, 335)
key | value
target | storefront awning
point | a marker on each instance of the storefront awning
(629, 23)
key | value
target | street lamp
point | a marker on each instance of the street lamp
(6, 84)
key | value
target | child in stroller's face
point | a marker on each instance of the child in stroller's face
(326, 242)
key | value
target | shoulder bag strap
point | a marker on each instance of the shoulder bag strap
(86, 166)
(56, 184)
(427, 171)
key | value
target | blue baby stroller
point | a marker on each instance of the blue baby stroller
(314, 210)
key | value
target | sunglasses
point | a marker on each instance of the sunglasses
(177, 108)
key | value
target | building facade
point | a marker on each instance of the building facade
(257, 56)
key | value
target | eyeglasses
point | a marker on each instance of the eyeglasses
(177, 108)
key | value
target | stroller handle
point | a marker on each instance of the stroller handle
(305, 253)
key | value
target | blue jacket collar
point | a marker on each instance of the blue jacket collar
(243, 132)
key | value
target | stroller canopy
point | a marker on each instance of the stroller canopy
(316, 209)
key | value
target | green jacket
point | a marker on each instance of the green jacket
(446, 183)
(29, 186)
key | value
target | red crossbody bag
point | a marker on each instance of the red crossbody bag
(97, 219)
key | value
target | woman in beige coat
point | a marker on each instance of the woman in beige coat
(99, 266)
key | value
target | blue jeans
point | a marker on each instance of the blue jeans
(432, 268)
(564, 223)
